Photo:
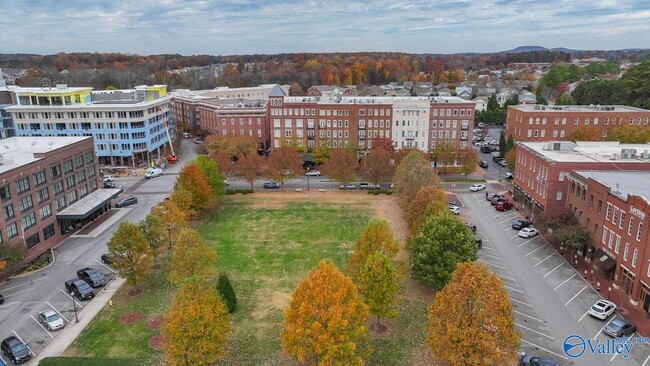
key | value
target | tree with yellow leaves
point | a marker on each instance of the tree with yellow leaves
(424, 198)
(377, 236)
(192, 179)
(471, 320)
(325, 322)
(196, 328)
(378, 283)
(172, 218)
(130, 252)
(191, 257)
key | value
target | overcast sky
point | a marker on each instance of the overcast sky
(226, 27)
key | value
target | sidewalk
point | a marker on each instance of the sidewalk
(72, 330)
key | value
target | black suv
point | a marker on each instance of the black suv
(126, 202)
(520, 224)
(16, 350)
(80, 289)
(92, 276)
(497, 159)
(483, 164)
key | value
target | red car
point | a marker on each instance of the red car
(503, 205)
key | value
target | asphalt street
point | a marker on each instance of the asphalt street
(27, 295)
(550, 299)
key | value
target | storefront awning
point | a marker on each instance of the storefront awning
(604, 261)
(89, 204)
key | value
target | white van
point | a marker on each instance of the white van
(186, 135)
(153, 172)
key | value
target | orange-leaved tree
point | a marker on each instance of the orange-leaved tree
(377, 165)
(413, 173)
(196, 328)
(250, 167)
(182, 198)
(341, 166)
(376, 236)
(284, 163)
(384, 143)
(378, 283)
(325, 322)
(171, 217)
(467, 159)
(425, 197)
(471, 320)
(629, 134)
(192, 179)
(191, 257)
(130, 252)
(585, 133)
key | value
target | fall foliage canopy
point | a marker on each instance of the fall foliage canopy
(425, 197)
(376, 165)
(378, 283)
(192, 179)
(154, 231)
(284, 163)
(325, 322)
(130, 252)
(341, 166)
(250, 167)
(211, 174)
(376, 236)
(471, 321)
(413, 173)
(191, 257)
(196, 328)
(171, 217)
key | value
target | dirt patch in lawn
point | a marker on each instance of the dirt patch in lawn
(135, 292)
(155, 322)
(131, 318)
(156, 342)
(281, 198)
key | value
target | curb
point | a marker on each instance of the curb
(40, 269)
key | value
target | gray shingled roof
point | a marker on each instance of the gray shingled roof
(277, 92)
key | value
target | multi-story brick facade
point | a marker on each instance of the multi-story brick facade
(548, 123)
(42, 177)
(540, 182)
(238, 117)
(613, 207)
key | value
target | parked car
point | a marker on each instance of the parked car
(347, 186)
(503, 163)
(538, 361)
(496, 159)
(479, 243)
(454, 209)
(503, 205)
(80, 289)
(367, 186)
(471, 226)
(483, 164)
(109, 178)
(453, 203)
(313, 173)
(489, 196)
(109, 184)
(2, 299)
(496, 198)
(619, 328)
(51, 319)
(106, 259)
(271, 185)
(527, 232)
(509, 175)
(153, 172)
(520, 224)
(197, 140)
(477, 187)
(15, 349)
(92, 276)
(602, 309)
(486, 149)
(126, 201)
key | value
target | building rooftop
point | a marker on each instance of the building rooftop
(18, 151)
(622, 183)
(373, 100)
(61, 88)
(90, 106)
(537, 108)
(588, 151)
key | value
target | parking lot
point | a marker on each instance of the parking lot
(26, 297)
(550, 299)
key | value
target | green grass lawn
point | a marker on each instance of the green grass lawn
(266, 245)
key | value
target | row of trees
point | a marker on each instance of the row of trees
(196, 328)
(625, 134)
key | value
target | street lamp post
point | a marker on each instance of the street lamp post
(74, 306)
(308, 178)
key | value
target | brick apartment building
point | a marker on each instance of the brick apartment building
(49, 186)
(552, 123)
(613, 206)
(540, 183)
(235, 117)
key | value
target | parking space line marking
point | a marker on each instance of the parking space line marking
(107, 267)
(57, 311)
(30, 350)
(492, 264)
(491, 256)
(19, 292)
(508, 219)
(26, 283)
(514, 236)
(487, 247)
(72, 298)
(612, 359)
(487, 204)
(532, 317)
(526, 242)
(506, 277)
(540, 262)
(544, 349)
(565, 281)
(538, 248)
(512, 289)
(41, 325)
(601, 329)
(583, 315)
(646, 360)
(521, 302)
(558, 266)
(508, 229)
(7, 304)
(533, 330)
(576, 295)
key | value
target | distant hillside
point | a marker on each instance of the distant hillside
(526, 49)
